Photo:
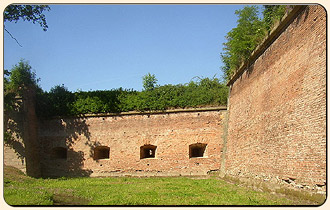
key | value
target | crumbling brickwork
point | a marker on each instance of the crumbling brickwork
(137, 144)
(277, 111)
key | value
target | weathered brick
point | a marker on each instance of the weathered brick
(276, 124)
(277, 113)
(172, 133)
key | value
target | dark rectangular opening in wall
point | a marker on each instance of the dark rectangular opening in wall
(101, 152)
(147, 151)
(197, 150)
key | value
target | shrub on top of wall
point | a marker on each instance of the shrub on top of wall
(61, 102)
(251, 29)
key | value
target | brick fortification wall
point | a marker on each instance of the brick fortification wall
(14, 150)
(276, 123)
(171, 133)
(277, 107)
(13, 158)
(22, 124)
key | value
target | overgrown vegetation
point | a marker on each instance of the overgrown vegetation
(273, 14)
(17, 81)
(203, 92)
(250, 31)
(59, 101)
(22, 190)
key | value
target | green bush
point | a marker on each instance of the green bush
(249, 32)
(60, 101)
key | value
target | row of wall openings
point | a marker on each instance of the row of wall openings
(195, 150)
(146, 151)
(100, 152)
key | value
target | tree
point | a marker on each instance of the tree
(243, 39)
(20, 130)
(273, 13)
(149, 81)
(32, 13)
(21, 77)
(250, 30)
(55, 102)
(16, 82)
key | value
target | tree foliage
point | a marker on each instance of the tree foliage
(33, 13)
(56, 102)
(149, 81)
(249, 32)
(204, 92)
(243, 39)
(20, 77)
(16, 81)
(272, 14)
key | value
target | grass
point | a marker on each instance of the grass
(22, 190)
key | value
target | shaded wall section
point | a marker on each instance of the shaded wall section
(13, 158)
(13, 147)
(155, 144)
(277, 111)
(21, 147)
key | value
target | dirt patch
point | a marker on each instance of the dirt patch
(68, 200)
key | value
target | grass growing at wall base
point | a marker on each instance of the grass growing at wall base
(22, 190)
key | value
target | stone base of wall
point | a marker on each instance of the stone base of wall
(148, 173)
(276, 181)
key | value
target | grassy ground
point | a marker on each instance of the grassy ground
(22, 190)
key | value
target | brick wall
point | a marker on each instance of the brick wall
(277, 111)
(276, 126)
(172, 132)
(13, 158)
(21, 123)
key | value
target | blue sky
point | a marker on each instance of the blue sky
(100, 47)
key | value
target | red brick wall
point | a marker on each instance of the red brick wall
(277, 111)
(172, 133)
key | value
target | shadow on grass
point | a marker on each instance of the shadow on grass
(68, 200)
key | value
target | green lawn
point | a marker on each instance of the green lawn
(22, 190)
